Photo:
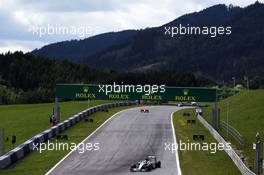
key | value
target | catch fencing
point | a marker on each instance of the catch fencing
(233, 155)
(233, 132)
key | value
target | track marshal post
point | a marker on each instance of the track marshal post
(216, 115)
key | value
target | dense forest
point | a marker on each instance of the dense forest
(28, 79)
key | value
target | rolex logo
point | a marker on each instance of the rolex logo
(185, 92)
(85, 89)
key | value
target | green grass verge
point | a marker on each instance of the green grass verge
(246, 114)
(39, 163)
(200, 162)
(26, 121)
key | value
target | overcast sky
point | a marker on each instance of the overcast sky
(21, 20)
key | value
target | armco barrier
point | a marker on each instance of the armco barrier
(233, 132)
(233, 155)
(25, 148)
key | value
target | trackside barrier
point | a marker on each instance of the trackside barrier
(27, 147)
(233, 132)
(233, 155)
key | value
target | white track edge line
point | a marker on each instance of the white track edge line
(55, 166)
(175, 142)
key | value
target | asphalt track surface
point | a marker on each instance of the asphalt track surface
(128, 137)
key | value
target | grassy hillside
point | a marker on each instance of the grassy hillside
(25, 121)
(246, 114)
(200, 162)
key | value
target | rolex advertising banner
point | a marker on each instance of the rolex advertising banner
(135, 92)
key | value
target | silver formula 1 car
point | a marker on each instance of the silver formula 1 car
(146, 165)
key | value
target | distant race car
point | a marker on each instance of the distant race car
(198, 111)
(193, 103)
(179, 104)
(144, 110)
(149, 164)
(187, 104)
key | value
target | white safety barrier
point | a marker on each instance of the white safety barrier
(25, 148)
(233, 155)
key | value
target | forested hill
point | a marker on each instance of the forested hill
(220, 58)
(75, 49)
(28, 79)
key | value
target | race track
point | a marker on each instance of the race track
(125, 139)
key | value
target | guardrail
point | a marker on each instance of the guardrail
(27, 147)
(233, 155)
(233, 132)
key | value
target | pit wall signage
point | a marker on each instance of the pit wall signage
(135, 92)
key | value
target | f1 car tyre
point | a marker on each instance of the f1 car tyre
(158, 164)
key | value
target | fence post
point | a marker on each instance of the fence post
(57, 110)
(216, 117)
(258, 155)
(2, 141)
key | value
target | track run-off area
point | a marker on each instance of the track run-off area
(124, 139)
